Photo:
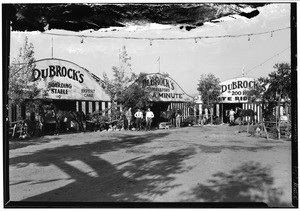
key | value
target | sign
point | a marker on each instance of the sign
(234, 90)
(164, 88)
(62, 79)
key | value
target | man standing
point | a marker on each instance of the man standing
(128, 115)
(231, 117)
(149, 117)
(178, 118)
(139, 116)
(206, 115)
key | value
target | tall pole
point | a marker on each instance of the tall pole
(158, 60)
(52, 48)
(159, 65)
(243, 71)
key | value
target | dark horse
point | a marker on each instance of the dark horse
(168, 115)
(245, 113)
(70, 120)
(49, 114)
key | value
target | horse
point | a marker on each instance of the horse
(241, 113)
(168, 115)
(81, 119)
(49, 114)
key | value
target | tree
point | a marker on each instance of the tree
(274, 88)
(279, 83)
(136, 96)
(210, 91)
(122, 76)
(125, 86)
(21, 86)
(271, 90)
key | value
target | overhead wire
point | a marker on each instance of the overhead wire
(277, 54)
(167, 38)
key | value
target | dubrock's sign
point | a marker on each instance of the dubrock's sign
(235, 90)
(65, 80)
(164, 89)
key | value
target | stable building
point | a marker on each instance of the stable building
(68, 86)
(166, 94)
(234, 94)
(73, 88)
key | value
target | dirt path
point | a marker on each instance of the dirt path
(193, 164)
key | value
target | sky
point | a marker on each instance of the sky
(183, 60)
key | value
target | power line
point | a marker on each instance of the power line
(168, 38)
(277, 54)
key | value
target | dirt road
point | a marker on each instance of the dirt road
(192, 164)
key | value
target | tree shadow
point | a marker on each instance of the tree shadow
(135, 180)
(19, 143)
(218, 149)
(250, 182)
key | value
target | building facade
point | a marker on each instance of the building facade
(68, 86)
(71, 87)
(234, 94)
(166, 94)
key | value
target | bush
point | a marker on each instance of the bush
(190, 120)
(217, 120)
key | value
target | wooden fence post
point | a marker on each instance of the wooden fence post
(279, 129)
(239, 124)
(265, 129)
(248, 127)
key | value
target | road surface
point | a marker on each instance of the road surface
(191, 164)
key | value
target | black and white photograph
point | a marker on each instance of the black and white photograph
(150, 105)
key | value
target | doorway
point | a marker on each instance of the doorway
(226, 109)
(65, 105)
(157, 108)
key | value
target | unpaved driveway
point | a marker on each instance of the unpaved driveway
(192, 164)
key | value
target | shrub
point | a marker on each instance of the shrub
(190, 120)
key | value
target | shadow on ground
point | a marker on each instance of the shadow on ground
(137, 179)
(21, 143)
(250, 182)
(218, 149)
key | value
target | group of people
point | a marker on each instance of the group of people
(149, 115)
(139, 116)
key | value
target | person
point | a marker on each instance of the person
(206, 116)
(203, 120)
(139, 116)
(128, 115)
(231, 116)
(178, 119)
(149, 117)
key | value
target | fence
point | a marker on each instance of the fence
(264, 126)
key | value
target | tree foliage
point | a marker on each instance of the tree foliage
(136, 96)
(276, 86)
(122, 76)
(279, 83)
(125, 87)
(21, 86)
(209, 89)
(271, 90)
(257, 92)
